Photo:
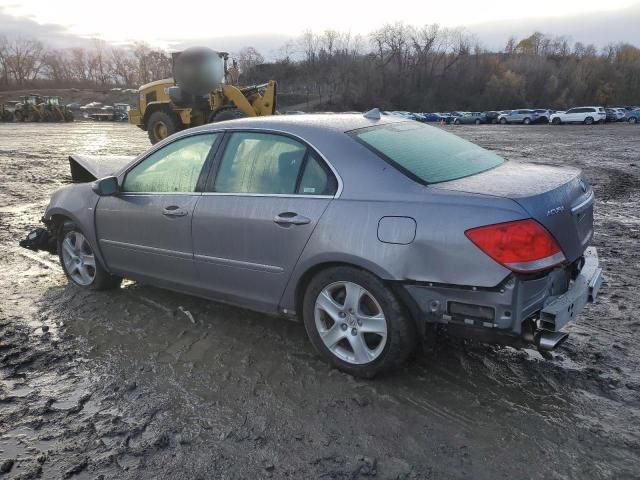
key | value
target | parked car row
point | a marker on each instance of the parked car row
(526, 116)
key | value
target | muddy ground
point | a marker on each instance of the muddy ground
(124, 385)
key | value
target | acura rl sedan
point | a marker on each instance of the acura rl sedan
(372, 229)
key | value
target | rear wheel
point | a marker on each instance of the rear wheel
(588, 121)
(477, 122)
(226, 114)
(356, 323)
(160, 125)
(503, 121)
(79, 262)
(633, 120)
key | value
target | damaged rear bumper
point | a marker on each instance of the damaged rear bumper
(521, 310)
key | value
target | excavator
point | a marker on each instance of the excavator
(203, 89)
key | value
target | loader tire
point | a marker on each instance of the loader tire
(226, 114)
(160, 125)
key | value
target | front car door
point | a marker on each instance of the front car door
(263, 202)
(144, 231)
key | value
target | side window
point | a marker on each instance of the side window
(571, 110)
(260, 163)
(317, 179)
(174, 168)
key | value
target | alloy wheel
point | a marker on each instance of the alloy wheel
(78, 258)
(350, 322)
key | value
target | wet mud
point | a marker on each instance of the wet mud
(127, 385)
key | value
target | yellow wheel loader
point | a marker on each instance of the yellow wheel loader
(201, 91)
(37, 108)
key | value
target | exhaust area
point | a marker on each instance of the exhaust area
(548, 341)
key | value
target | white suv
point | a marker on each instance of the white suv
(586, 115)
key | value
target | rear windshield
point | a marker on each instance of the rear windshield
(426, 154)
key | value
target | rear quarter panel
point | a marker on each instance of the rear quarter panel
(440, 252)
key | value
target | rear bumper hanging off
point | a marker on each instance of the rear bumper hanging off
(521, 310)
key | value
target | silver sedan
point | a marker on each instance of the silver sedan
(374, 230)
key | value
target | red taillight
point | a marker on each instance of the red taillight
(521, 246)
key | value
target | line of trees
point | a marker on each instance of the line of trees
(430, 68)
(397, 66)
(25, 62)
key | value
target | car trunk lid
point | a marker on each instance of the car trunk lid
(558, 198)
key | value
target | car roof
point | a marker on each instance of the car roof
(326, 134)
(304, 124)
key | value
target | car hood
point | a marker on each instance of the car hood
(88, 169)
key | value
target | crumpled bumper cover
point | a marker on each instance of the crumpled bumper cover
(561, 309)
(553, 299)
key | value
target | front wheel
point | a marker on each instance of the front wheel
(161, 124)
(526, 121)
(478, 122)
(556, 121)
(633, 120)
(456, 122)
(356, 323)
(79, 262)
(503, 121)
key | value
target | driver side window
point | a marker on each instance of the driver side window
(174, 168)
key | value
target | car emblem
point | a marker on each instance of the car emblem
(554, 211)
(583, 186)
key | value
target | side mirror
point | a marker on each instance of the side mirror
(106, 186)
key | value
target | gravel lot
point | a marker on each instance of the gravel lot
(124, 385)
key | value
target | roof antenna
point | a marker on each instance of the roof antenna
(373, 114)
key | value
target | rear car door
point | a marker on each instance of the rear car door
(144, 231)
(261, 206)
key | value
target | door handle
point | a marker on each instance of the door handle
(174, 211)
(291, 218)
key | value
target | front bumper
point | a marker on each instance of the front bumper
(518, 307)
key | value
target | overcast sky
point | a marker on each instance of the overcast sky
(267, 25)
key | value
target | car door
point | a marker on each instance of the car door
(263, 202)
(144, 231)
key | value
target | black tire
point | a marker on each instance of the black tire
(633, 120)
(456, 121)
(503, 121)
(526, 121)
(160, 125)
(226, 114)
(556, 121)
(102, 279)
(478, 122)
(401, 330)
(588, 121)
(18, 116)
